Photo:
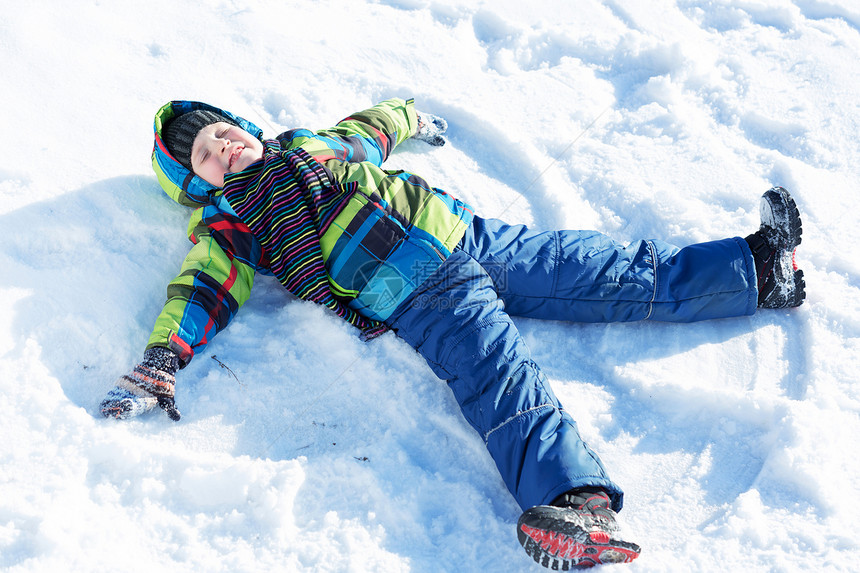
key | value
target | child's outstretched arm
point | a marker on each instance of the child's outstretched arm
(211, 287)
(369, 135)
(201, 301)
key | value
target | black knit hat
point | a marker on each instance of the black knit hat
(180, 133)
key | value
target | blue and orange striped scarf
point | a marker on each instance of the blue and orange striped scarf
(287, 200)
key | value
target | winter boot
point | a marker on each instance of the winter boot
(576, 531)
(780, 283)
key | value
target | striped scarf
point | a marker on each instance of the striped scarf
(286, 200)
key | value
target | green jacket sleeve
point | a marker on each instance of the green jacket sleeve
(369, 135)
(211, 286)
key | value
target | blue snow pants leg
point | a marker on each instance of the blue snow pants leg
(458, 324)
(584, 276)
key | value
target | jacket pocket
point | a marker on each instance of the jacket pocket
(359, 239)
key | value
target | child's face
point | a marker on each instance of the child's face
(221, 148)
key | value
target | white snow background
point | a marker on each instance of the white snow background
(735, 440)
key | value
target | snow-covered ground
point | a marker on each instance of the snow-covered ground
(302, 448)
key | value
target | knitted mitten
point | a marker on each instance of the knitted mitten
(151, 383)
(430, 129)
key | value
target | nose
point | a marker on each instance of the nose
(224, 143)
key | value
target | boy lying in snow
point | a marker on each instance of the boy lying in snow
(386, 250)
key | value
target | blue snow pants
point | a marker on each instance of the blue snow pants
(459, 320)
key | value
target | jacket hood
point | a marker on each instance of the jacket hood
(177, 181)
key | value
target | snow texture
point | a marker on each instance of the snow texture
(303, 449)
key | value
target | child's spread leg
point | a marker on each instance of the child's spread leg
(456, 321)
(584, 276)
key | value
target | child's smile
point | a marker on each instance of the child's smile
(235, 155)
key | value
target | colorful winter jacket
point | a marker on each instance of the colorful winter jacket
(318, 212)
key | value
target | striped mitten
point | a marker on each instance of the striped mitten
(151, 383)
(430, 129)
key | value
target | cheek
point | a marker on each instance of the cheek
(214, 166)
(212, 172)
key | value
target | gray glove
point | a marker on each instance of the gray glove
(430, 128)
(151, 383)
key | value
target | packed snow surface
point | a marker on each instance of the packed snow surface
(302, 448)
